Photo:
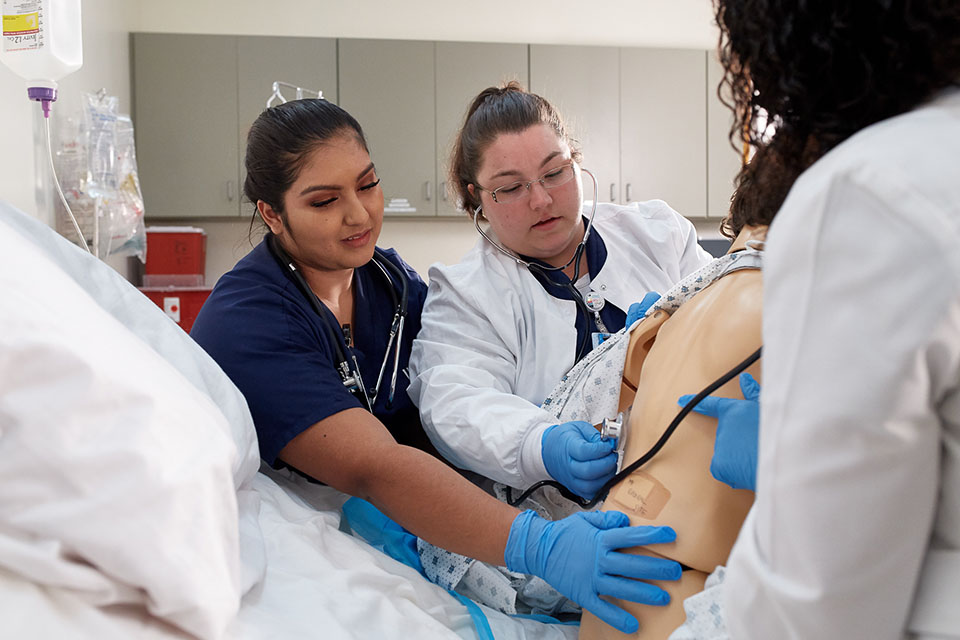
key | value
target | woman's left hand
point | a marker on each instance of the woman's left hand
(738, 430)
(580, 557)
(639, 309)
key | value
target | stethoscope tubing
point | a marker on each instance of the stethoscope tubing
(544, 270)
(396, 333)
(652, 451)
(350, 375)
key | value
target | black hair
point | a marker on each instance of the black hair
(280, 141)
(819, 72)
(504, 109)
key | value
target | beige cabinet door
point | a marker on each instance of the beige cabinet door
(723, 160)
(310, 63)
(185, 122)
(388, 85)
(664, 127)
(464, 69)
(584, 84)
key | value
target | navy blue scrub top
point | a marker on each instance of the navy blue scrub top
(265, 335)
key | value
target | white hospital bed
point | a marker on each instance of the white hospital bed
(132, 504)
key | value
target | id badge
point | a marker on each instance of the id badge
(597, 338)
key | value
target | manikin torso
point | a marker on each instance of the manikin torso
(703, 339)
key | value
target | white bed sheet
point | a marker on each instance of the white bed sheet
(302, 576)
(322, 582)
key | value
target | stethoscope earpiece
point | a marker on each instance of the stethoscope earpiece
(478, 212)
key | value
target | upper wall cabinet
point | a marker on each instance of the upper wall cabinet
(410, 98)
(663, 127)
(648, 120)
(310, 63)
(388, 86)
(464, 69)
(583, 83)
(641, 118)
(195, 97)
(185, 120)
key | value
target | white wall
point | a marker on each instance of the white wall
(664, 23)
(420, 243)
(106, 63)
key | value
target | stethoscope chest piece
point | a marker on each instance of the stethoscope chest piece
(594, 301)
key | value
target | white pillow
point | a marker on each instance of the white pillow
(117, 472)
(145, 319)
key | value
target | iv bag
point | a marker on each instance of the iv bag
(42, 40)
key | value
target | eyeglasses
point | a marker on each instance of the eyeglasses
(556, 177)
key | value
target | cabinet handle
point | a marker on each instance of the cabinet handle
(230, 190)
(613, 194)
(629, 199)
(443, 192)
(428, 190)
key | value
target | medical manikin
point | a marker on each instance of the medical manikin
(699, 330)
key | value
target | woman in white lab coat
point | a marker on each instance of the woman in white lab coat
(857, 516)
(497, 333)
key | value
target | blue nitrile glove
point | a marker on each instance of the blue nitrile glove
(578, 557)
(738, 429)
(381, 532)
(577, 457)
(639, 309)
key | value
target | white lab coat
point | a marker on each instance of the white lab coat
(859, 465)
(494, 342)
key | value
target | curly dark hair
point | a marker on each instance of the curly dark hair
(820, 71)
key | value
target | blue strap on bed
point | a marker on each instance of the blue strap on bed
(384, 534)
(479, 617)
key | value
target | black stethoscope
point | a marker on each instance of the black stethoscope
(348, 368)
(591, 304)
(652, 451)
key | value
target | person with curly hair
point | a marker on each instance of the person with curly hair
(855, 532)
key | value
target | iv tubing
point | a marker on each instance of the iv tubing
(56, 181)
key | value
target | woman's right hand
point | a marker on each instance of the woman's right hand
(577, 457)
(578, 556)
